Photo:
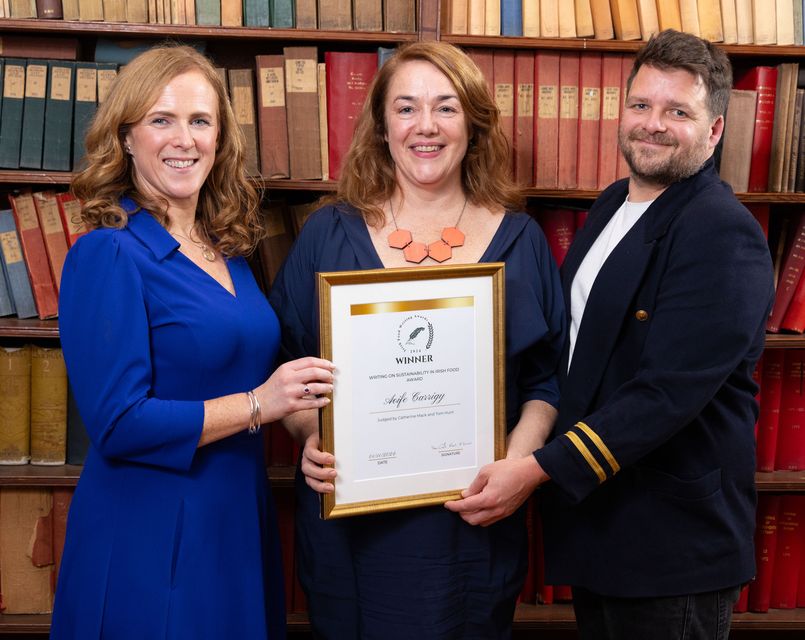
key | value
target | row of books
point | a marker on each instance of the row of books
(781, 422)
(361, 15)
(560, 111)
(46, 108)
(35, 235)
(728, 21)
(764, 141)
(779, 555)
(787, 243)
(33, 521)
(39, 423)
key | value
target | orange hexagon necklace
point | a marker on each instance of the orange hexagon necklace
(416, 252)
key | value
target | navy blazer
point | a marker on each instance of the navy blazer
(652, 457)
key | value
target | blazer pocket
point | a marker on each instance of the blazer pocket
(667, 484)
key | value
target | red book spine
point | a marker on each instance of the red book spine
(764, 81)
(794, 317)
(789, 277)
(503, 73)
(589, 119)
(524, 118)
(765, 552)
(761, 214)
(562, 593)
(348, 78)
(559, 227)
(70, 212)
(788, 553)
(742, 604)
(627, 62)
(36, 259)
(47, 210)
(771, 385)
(790, 453)
(568, 119)
(546, 123)
(483, 60)
(610, 118)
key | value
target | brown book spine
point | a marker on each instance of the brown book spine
(271, 117)
(48, 406)
(367, 15)
(90, 9)
(62, 496)
(49, 9)
(568, 119)
(335, 15)
(546, 124)
(736, 152)
(36, 260)
(324, 148)
(625, 19)
(231, 13)
(15, 409)
(796, 132)
(398, 16)
(39, 47)
(47, 210)
(503, 77)
(22, 9)
(782, 106)
(70, 10)
(602, 19)
(668, 15)
(589, 120)
(273, 249)
(524, 118)
(302, 108)
(241, 91)
(24, 585)
(306, 14)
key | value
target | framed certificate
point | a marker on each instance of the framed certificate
(418, 398)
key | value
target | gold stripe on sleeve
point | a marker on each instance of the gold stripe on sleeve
(596, 439)
(587, 455)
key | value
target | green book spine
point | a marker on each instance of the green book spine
(282, 16)
(33, 114)
(58, 151)
(256, 13)
(208, 12)
(11, 122)
(86, 102)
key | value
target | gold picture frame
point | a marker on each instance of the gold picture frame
(418, 405)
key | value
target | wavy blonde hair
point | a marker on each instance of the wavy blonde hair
(368, 177)
(228, 204)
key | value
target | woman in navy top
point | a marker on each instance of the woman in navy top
(170, 348)
(428, 155)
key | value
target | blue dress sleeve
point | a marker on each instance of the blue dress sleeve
(104, 330)
(538, 317)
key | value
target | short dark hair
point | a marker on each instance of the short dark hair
(671, 49)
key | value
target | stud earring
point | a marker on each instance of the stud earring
(128, 149)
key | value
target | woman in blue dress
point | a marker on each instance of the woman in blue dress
(428, 154)
(170, 348)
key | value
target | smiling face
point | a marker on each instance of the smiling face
(666, 131)
(426, 129)
(173, 146)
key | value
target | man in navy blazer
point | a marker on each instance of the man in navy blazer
(649, 512)
(649, 495)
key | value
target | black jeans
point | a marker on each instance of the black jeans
(700, 616)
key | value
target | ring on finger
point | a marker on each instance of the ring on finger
(306, 391)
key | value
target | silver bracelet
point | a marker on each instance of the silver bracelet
(254, 413)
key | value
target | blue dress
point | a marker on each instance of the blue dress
(164, 539)
(421, 573)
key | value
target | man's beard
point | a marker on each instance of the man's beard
(657, 171)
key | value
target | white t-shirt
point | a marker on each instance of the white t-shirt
(617, 227)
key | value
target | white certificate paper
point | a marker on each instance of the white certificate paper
(416, 406)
